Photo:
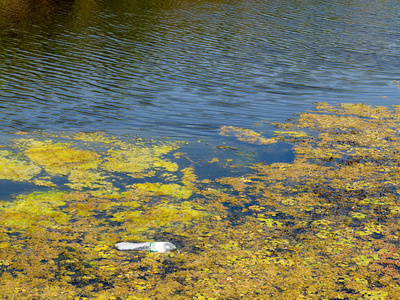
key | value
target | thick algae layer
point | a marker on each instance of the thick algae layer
(86, 161)
(325, 226)
(35, 210)
(135, 160)
(16, 169)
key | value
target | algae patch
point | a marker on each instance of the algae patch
(139, 161)
(34, 211)
(324, 226)
(58, 158)
(87, 161)
(173, 189)
(246, 135)
(16, 169)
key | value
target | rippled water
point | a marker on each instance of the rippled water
(184, 68)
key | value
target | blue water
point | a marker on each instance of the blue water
(183, 69)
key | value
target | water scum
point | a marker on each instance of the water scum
(325, 226)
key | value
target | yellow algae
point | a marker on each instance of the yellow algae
(246, 135)
(33, 210)
(131, 216)
(294, 134)
(15, 169)
(322, 226)
(238, 184)
(135, 160)
(86, 179)
(172, 189)
(4, 241)
(169, 177)
(213, 160)
(43, 182)
(93, 169)
(189, 177)
(163, 215)
(59, 158)
(100, 137)
(159, 216)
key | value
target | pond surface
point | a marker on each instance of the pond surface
(149, 120)
(183, 69)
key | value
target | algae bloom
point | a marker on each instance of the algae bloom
(323, 226)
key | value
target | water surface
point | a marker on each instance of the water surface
(184, 68)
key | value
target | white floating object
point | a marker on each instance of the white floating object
(161, 247)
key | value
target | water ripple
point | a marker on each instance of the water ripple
(185, 68)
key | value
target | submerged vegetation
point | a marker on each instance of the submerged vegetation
(324, 226)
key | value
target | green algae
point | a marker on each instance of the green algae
(28, 212)
(15, 169)
(325, 226)
(172, 189)
(139, 161)
(246, 135)
(58, 158)
(163, 216)
(79, 180)
(88, 161)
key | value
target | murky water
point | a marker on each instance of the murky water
(184, 68)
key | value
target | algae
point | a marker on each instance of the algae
(173, 189)
(88, 161)
(246, 135)
(138, 161)
(324, 226)
(39, 209)
(16, 169)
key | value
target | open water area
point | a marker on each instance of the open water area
(183, 69)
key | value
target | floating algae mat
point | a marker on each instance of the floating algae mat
(325, 226)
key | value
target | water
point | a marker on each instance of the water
(183, 68)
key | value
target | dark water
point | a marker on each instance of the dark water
(184, 68)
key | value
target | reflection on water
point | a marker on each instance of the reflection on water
(185, 68)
